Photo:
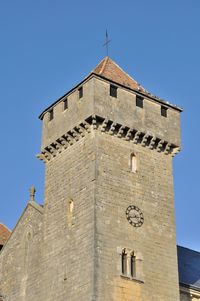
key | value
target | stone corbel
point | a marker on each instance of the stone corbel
(128, 135)
(42, 157)
(46, 154)
(121, 131)
(58, 146)
(94, 122)
(81, 130)
(63, 142)
(52, 150)
(112, 129)
(74, 134)
(104, 125)
(136, 137)
(152, 142)
(160, 146)
(87, 126)
(69, 139)
(175, 151)
(167, 148)
(144, 140)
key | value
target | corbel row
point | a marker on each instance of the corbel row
(131, 134)
(64, 141)
(105, 125)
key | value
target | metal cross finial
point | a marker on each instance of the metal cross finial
(107, 42)
(32, 193)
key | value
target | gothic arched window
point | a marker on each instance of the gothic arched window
(71, 206)
(133, 265)
(133, 163)
(70, 212)
(124, 262)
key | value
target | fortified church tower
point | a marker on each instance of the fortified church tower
(107, 229)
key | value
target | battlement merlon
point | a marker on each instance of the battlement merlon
(92, 97)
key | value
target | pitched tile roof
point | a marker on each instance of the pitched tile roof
(4, 234)
(110, 70)
(189, 267)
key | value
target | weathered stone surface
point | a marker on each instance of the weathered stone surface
(20, 258)
(71, 249)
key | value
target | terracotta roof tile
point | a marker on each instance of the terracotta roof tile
(110, 70)
(4, 234)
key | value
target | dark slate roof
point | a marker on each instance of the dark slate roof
(189, 267)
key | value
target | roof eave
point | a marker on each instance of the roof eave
(157, 99)
(67, 93)
(190, 286)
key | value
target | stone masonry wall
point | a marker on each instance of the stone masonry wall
(123, 110)
(68, 250)
(151, 189)
(65, 120)
(88, 188)
(20, 275)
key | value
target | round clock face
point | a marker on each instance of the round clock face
(134, 216)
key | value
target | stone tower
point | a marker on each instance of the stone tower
(108, 224)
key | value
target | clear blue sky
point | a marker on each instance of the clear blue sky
(48, 46)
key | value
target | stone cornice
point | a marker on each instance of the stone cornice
(111, 128)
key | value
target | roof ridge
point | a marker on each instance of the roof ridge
(188, 249)
(131, 78)
(1, 224)
(124, 71)
(105, 60)
(111, 70)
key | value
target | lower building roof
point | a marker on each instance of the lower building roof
(4, 234)
(189, 267)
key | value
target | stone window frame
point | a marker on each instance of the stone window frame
(113, 91)
(124, 265)
(70, 212)
(163, 111)
(51, 114)
(139, 101)
(65, 104)
(131, 266)
(80, 92)
(133, 163)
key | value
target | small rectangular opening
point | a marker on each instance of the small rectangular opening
(139, 101)
(163, 111)
(65, 104)
(80, 92)
(51, 115)
(113, 91)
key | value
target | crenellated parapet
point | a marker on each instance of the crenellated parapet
(104, 125)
